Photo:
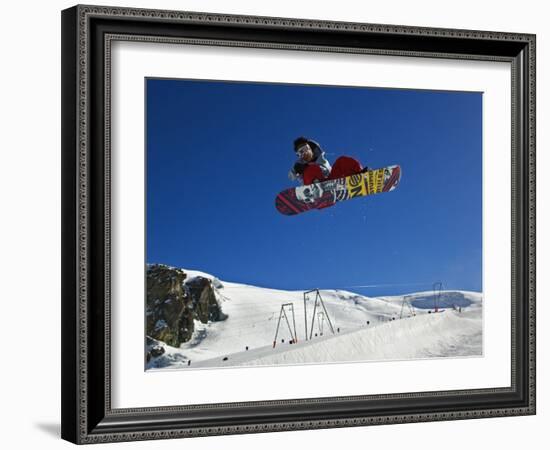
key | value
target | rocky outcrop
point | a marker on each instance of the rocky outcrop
(205, 305)
(169, 305)
(174, 302)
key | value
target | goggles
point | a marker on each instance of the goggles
(302, 150)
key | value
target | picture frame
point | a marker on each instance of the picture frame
(88, 415)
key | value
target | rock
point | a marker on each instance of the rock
(157, 351)
(205, 304)
(173, 303)
(169, 318)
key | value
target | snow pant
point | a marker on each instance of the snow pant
(342, 167)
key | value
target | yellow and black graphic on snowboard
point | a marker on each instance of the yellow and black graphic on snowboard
(328, 192)
(356, 185)
(370, 182)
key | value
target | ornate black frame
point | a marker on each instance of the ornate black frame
(87, 416)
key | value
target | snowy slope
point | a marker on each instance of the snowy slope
(423, 336)
(365, 328)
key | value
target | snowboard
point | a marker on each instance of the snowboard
(329, 192)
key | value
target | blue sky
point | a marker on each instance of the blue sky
(219, 152)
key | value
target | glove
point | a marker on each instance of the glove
(292, 176)
(299, 168)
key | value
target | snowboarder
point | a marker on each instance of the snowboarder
(324, 186)
(312, 165)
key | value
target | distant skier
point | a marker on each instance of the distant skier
(312, 165)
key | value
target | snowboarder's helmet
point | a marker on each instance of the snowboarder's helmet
(300, 141)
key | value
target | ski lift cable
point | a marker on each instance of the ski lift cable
(330, 288)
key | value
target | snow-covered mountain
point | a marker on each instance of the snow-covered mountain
(350, 327)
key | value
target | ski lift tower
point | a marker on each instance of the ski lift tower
(406, 302)
(318, 301)
(437, 294)
(292, 330)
